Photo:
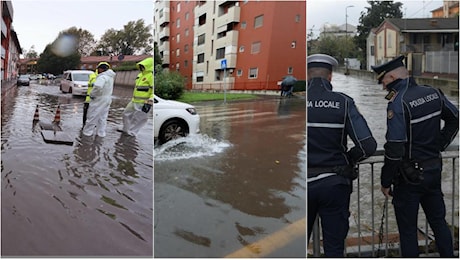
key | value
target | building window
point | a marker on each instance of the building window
(177, 52)
(220, 53)
(390, 41)
(178, 7)
(201, 39)
(243, 25)
(253, 73)
(242, 48)
(239, 73)
(200, 58)
(178, 23)
(187, 15)
(255, 47)
(259, 21)
(199, 79)
(297, 18)
(372, 50)
(186, 48)
(186, 32)
(380, 42)
(290, 70)
(202, 20)
(177, 66)
(185, 63)
(221, 35)
(293, 44)
(178, 38)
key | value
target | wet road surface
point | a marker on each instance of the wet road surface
(239, 185)
(92, 198)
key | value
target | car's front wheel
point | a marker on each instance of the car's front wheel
(173, 129)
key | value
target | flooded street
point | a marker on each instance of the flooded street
(236, 185)
(92, 198)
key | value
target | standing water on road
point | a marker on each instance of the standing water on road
(92, 198)
(236, 184)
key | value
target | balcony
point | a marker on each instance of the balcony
(232, 16)
(201, 9)
(164, 33)
(373, 232)
(231, 39)
(231, 61)
(164, 17)
(165, 58)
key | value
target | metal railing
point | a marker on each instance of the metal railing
(365, 240)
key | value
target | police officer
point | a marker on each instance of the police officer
(412, 163)
(332, 118)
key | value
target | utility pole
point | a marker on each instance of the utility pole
(346, 39)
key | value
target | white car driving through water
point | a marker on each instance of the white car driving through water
(174, 119)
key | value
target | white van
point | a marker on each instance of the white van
(75, 82)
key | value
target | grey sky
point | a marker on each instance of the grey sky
(320, 12)
(39, 22)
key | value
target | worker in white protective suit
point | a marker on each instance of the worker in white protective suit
(101, 98)
(136, 113)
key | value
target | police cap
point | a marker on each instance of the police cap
(321, 61)
(383, 69)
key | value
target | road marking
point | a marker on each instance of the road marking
(252, 115)
(273, 242)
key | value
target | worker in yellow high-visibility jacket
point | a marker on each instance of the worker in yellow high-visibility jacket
(92, 78)
(136, 113)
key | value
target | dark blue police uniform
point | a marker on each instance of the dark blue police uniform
(332, 118)
(414, 115)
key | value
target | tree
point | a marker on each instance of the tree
(338, 47)
(169, 84)
(85, 40)
(134, 38)
(49, 62)
(375, 15)
(31, 53)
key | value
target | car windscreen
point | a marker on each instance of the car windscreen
(80, 77)
(24, 77)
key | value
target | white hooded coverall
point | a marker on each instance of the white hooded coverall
(101, 98)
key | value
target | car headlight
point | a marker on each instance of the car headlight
(191, 110)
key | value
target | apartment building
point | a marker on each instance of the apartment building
(240, 45)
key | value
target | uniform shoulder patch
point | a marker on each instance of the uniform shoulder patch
(391, 95)
(390, 114)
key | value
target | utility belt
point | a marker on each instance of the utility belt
(348, 171)
(411, 172)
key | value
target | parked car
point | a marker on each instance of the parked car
(75, 82)
(174, 119)
(23, 80)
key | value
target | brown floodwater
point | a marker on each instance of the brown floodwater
(92, 198)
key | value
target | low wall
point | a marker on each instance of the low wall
(126, 78)
(448, 86)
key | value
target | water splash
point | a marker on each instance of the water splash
(192, 146)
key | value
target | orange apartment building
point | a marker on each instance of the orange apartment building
(260, 42)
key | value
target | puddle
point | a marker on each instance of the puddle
(192, 146)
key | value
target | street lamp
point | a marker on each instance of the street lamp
(346, 38)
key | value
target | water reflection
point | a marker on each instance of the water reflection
(90, 192)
